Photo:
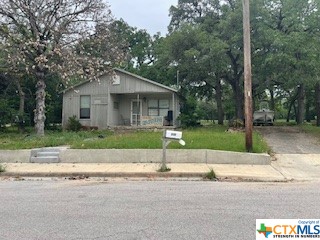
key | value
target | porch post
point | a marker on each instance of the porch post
(108, 102)
(173, 110)
(139, 109)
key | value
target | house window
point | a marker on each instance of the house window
(85, 103)
(158, 107)
(115, 105)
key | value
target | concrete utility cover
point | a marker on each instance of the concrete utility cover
(297, 154)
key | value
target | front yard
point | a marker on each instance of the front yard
(213, 137)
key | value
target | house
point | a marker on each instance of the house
(121, 98)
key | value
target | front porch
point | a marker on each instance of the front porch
(145, 110)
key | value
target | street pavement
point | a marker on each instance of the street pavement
(120, 209)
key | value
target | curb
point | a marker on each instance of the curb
(147, 175)
(105, 174)
(204, 156)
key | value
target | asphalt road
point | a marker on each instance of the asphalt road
(148, 209)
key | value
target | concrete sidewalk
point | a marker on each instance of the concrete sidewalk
(144, 170)
(285, 167)
(300, 167)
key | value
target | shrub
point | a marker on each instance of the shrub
(164, 168)
(189, 116)
(211, 175)
(236, 123)
(2, 168)
(73, 124)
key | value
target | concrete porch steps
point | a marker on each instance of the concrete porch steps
(45, 155)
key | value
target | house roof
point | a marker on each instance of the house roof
(130, 74)
(146, 80)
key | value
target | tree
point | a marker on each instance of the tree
(142, 52)
(193, 12)
(198, 56)
(54, 36)
(222, 21)
(286, 44)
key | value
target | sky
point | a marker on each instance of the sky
(152, 15)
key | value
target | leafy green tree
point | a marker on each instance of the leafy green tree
(137, 43)
(285, 49)
(221, 24)
(286, 45)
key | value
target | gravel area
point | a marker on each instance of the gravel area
(289, 140)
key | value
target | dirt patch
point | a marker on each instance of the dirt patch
(289, 140)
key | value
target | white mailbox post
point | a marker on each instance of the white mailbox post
(168, 136)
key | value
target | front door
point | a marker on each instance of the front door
(135, 112)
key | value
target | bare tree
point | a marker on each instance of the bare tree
(57, 36)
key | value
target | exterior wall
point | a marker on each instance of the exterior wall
(111, 100)
(98, 106)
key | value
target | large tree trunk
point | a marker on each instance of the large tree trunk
(317, 93)
(301, 104)
(238, 98)
(234, 81)
(21, 99)
(39, 116)
(272, 103)
(288, 114)
(308, 119)
(219, 101)
(22, 95)
(291, 104)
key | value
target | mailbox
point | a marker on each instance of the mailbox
(168, 136)
(177, 135)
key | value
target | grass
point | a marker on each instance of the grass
(213, 137)
(164, 168)
(2, 168)
(311, 129)
(283, 122)
(211, 175)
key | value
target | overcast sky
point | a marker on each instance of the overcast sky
(152, 15)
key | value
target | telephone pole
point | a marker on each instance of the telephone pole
(247, 74)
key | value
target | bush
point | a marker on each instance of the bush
(2, 168)
(73, 124)
(236, 123)
(211, 175)
(189, 116)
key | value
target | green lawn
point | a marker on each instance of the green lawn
(311, 129)
(214, 137)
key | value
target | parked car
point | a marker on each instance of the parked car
(263, 116)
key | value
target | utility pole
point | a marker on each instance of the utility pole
(247, 74)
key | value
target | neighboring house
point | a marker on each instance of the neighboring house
(119, 99)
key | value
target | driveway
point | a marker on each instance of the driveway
(289, 140)
(296, 154)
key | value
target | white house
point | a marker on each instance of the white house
(122, 98)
